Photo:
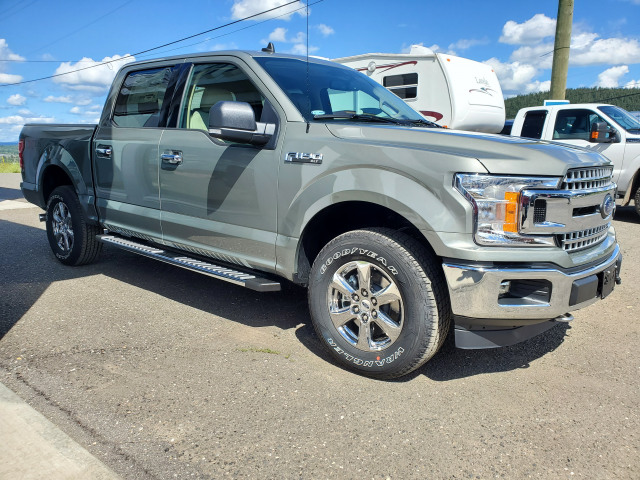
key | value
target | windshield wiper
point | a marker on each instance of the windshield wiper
(426, 123)
(366, 117)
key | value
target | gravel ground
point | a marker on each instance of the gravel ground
(162, 373)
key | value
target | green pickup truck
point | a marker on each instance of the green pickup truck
(258, 168)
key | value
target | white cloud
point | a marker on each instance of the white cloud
(97, 78)
(299, 41)
(16, 100)
(278, 35)
(532, 31)
(8, 78)
(52, 99)
(604, 51)
(610, 78)
(25, 112)
(21, 120)
(245, 8)
(538, 86)
(326, 30)
(90, 110)
(6, 53)
(464, 44)
(632, 83)
(540, 55)
(515, 77)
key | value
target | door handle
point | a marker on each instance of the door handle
(104, 151)
(172, 157)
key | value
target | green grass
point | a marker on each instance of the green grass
(9, 167)
(260, 350)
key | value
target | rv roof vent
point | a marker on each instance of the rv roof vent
(421, 50)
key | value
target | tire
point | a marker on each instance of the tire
(378, 301)
(72, 239)
(636, 200)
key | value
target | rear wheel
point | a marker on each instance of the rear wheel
(72, 240)
(378, 302)
(636, 199)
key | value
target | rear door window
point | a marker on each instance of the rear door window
(533, 124)
(141, 98)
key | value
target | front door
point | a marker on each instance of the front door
(573, 126)
(218, 199)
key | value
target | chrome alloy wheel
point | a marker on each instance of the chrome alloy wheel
(62, 227)
(365, 306)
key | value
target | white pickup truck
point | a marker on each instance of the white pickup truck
(607, 129)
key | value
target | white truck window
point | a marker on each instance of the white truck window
(575, 124)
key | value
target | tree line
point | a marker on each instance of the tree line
(627, 98)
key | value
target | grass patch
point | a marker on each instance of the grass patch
(259, 350)
(9, 167)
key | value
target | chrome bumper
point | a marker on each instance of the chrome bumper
(475, 291)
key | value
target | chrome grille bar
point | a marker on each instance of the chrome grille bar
(574, 241)
(587, 178)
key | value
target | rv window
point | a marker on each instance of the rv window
(533, 123)
(403, 85)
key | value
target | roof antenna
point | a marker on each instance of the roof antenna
(308, 84)
(269, 48)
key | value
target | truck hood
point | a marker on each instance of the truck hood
(499, 154)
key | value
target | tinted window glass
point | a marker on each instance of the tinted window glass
(320, 88)
(575, 124)
(213, 83)
(141, 98)
(533, 123)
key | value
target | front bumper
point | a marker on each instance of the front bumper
(538, 292)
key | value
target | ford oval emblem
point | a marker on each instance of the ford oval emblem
(608, 205)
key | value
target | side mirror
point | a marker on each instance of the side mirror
(235, 122)
(601, 132)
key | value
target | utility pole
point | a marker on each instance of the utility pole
(561, 50)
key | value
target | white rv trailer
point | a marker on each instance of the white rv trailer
(452, 91)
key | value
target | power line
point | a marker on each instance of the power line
(154, 48)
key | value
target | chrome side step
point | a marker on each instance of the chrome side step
(223, 273)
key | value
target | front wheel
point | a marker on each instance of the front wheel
(636, 199)
(71, 237)
(378, 301)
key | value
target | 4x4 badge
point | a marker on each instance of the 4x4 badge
(297, 157)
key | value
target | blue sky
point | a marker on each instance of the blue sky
(39, 38)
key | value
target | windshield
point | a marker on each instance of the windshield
(622, 117)
(335, 93)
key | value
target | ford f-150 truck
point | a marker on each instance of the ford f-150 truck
(606, 129)
(258, 168)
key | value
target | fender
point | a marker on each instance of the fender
(415, 201)
(78, 170)
(630, 172)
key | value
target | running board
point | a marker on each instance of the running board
(232, 276)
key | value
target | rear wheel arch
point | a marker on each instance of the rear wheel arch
(53, 177)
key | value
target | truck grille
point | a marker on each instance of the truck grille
(574, 241)
(587, 178)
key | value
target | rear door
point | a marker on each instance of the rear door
(219, 198)
(125, 152)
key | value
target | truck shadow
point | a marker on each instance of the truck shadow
(627, 214)
(29, 268)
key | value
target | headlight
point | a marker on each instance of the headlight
(496, 207)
